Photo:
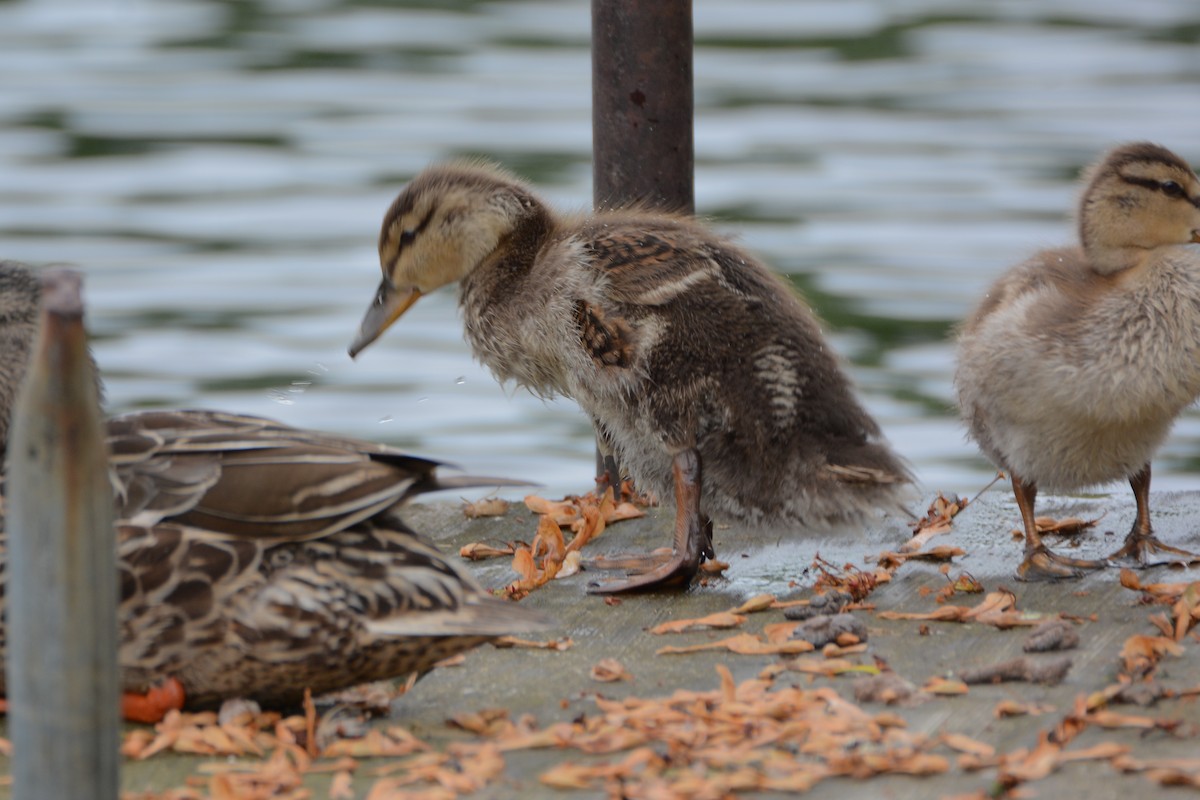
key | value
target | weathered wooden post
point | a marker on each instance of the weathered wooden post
(61, 592)
(642, 142)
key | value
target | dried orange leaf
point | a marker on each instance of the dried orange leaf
(780, 631)
(714, 567)
(829, 667)
(565, 643)
(608, 670)
(760, 602)
(832, 650)
(965, 744)
(721, 619)
(743, 644)
(569, 776)
(485, 507)
(523, 565)
(1140, 651)
(944, 686)
(477, 551)
(572, 564)
(1103, 751)
(624, 511)
(342, 786)
(1012, 708)
(1111, 719)
(1068, 526)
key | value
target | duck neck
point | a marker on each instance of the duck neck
(507, 290)
(1114, 260)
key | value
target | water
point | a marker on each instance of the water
(219, 169)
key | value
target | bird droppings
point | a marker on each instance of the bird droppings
(1055, 634)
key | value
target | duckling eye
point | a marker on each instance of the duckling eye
(407, 236)
(1171, 189)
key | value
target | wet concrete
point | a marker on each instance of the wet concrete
(555, 686)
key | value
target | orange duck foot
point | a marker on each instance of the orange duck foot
(152, 706)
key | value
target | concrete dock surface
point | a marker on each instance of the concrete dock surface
(551, 687)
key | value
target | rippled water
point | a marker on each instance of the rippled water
(220, 169)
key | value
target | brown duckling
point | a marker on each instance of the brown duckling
(1078, 360)
(699, 367)
(257, 560)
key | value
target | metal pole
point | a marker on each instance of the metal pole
(642, 146)
(642, 143)
(61, 572)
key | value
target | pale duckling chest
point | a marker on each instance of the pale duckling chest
(1126, 354)
(1140, 344)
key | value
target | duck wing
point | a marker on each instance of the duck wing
(247, 476)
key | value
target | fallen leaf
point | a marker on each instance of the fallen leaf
(965, 744)
(572, 564)
(478, 551)
(608, 670)
(945, 686)
(760, 602)
(721, 619)
(1012, 708)
(745, 644)
(564, 643)
(1141, 652)
(485, 507)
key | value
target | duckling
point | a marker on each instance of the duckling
(699, 368)
(1077, 362)
(257, 560)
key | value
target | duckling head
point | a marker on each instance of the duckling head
(443, 225)
(1138, 198)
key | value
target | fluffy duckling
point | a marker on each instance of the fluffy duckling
(257, 560)
(1073, 368)
(699, 368)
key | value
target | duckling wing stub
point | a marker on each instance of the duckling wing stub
(649, 262)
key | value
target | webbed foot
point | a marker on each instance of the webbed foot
(1042, 564)
(691, 546)
(1139, 547)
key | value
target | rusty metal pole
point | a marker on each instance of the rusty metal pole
(642, 145)
(61, 572)
(642, 142)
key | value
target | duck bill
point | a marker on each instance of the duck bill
(388, 306)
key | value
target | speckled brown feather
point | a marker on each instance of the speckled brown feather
(666, 334)
(258, 560)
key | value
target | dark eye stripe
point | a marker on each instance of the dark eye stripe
(409, 235)
(1169, 188)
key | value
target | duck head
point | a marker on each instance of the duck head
(1138, 198)
(443, 225)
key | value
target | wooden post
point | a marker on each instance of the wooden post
(61, 572)
(642, 142)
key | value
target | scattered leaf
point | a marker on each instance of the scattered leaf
(478, 551)
(945, 686)
(564, 643)
(608, 670)
(485, 507)
(760, 602)
(721, 619)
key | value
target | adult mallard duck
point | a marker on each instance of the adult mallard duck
(1077, 362)
(257, 560)
(699, 368)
